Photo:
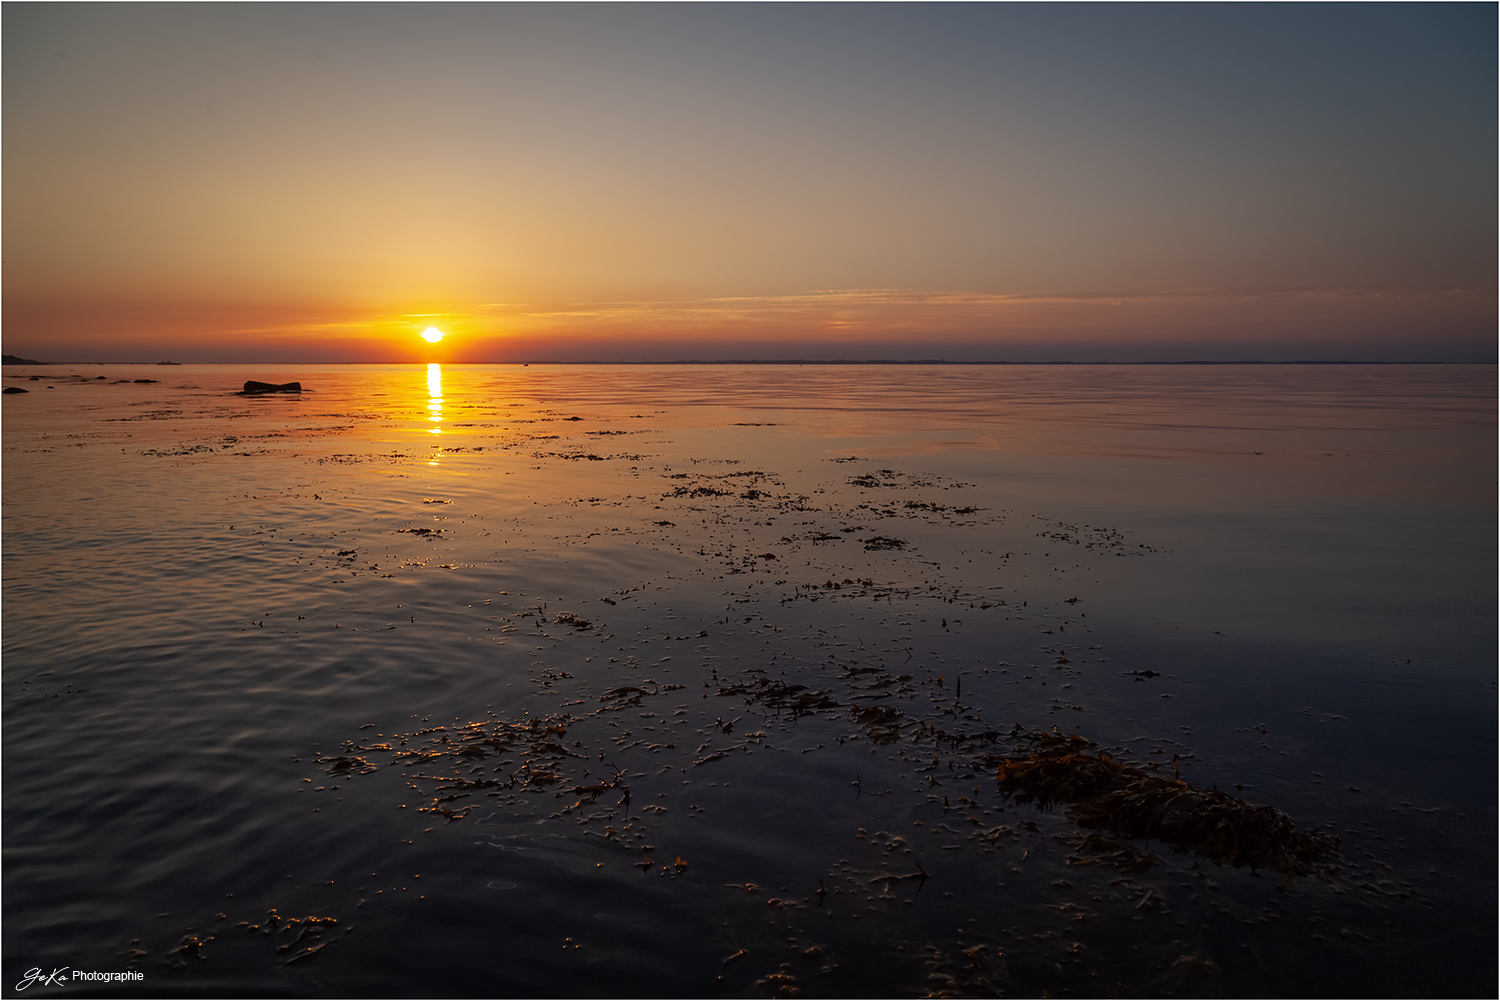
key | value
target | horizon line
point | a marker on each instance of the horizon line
(11, 360)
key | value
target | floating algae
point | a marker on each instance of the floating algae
(296, 940)
(306, 944)
(1104, 793)
(538, 742)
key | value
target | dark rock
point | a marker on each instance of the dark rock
(147, 380)
(14, 360)
(252, 387)
(16, 389)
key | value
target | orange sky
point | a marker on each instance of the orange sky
(1265, 324)
(627, 183)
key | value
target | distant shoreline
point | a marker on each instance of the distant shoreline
(10, 360)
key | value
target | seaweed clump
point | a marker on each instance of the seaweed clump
(777, 694)
(1103, 793)
(545, 762)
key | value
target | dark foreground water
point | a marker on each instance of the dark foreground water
(693, 681)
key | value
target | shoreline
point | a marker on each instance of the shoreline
(22, 363)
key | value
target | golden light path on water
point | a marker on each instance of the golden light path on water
(435, 402)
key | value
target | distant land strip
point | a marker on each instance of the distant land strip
(14, 360)
(945, 361)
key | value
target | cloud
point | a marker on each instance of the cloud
(856, 322)
(864, 314)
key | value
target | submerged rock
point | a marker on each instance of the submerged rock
(253, 387)
(16, 389)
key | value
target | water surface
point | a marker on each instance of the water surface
(620, 575)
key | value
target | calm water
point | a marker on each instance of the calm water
(606, 583)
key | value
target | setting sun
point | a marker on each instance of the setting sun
(432, 335)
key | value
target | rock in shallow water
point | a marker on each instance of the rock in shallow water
(251, 386)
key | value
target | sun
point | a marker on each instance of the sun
(432, 335)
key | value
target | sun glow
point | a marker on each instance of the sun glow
(432, 335)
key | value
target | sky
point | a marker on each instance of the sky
(617, 182)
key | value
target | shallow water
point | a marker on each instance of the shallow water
(210, 598)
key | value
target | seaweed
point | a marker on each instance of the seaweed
(1104, 793)
(545, 761)
(882, 723)
(699, 491)
(779, 695)
(571, 619)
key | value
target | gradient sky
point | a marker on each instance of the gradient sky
(321, 182)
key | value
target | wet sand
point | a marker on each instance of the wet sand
(671, 681)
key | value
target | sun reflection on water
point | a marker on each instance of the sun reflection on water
(435, 394)
(435, 401)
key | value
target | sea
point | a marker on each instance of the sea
(440, 680)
